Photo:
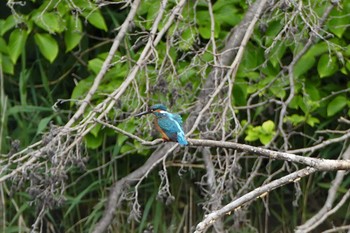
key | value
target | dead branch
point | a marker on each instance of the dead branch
(326, 210)
(319, 164)
(256, 193)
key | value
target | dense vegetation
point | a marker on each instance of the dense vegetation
(288, 92)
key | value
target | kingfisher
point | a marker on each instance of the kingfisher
(169, 125)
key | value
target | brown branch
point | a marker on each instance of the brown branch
(319, 164)
(143, 142)
(321, 145)
(258, 192)
(324, 212)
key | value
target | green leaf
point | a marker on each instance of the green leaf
(76, 200)
(16, 44)
(47, 45)
(188, 38)
(336, 105)
(312, 121)
(24, 76)
(251, 136)
(7, 24)
(6, 64)
(95, 65)
(128, 126)
(203, 20)
(43, 124)
(295, 119)
(339, 22)
(3, 46)
(49, 21)
(93, 142)
(265, 138)
(223, 4)
(305, 63)
(152, 12)
(312, 90)
(240, 94)
(268, 126)
(94, 131)
(327, 66)
(318, 49)
(96, 19)
(81, 88)
(278, 90)
(73, 34)
(228, 15)
(277, 53)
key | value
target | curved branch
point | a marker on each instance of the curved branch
(258, 192)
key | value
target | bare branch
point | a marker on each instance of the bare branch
(256, 193)
(319, 164)
(325, 211)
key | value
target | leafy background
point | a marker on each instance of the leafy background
(50, 53)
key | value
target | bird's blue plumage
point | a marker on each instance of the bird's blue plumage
(171, 124)
(159, 106)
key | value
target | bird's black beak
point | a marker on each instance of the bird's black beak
(143, 113)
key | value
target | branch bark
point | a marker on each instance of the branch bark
(258, 192)
(319, 164)
(323, 213)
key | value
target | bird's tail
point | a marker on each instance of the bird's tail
(181, 139)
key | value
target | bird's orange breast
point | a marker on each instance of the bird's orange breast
(164, 136)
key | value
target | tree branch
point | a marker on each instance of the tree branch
(319, 164)
(258, 192)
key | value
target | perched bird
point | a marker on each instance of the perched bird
(169, 125)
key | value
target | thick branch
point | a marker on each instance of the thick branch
(319, 164)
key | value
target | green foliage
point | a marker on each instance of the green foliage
(16, 44)
(47, 46)
(73, 34)
(264, 133)
(327, 66)
(336, 105)
(53, 51)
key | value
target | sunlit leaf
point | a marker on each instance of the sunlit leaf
(312, 121)
(6, 25)
(268, 126)
(16, 44)
(295, 119)
(49, 21)
(96, 19)
(47, 45)
(73, 34)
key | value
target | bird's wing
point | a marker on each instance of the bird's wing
(177, 118)
(173, 128)
(169, 128)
